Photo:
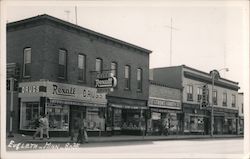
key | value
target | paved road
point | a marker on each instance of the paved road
(196, 148)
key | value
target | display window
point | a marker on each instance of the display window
(132, 120)
(95, 119)
(117, 119)
(58, 117)
(30, 112)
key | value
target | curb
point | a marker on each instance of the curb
(134, 140)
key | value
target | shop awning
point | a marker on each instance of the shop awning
(127, 106)
(71, 102)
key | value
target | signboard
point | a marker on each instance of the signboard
(61, 91)
(105, 82)
(164, 103)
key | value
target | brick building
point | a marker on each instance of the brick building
(59, 63)
(191, 82)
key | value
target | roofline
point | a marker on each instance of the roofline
(45, 16)
(208, 74)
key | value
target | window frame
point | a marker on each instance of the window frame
(65, 63)
(199, 94)
(127, 80)
(139, 81)
(224, 99)
(101, 64)
(215, 97)
(114, 70)
(233, 100)
(189, 95)
(24, 61)
(84, 67)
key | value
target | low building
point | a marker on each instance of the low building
(165, 111)
(197, 117)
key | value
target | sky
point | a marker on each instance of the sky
(208, 35)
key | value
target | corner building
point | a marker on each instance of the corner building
(196, 119)
(58, 64)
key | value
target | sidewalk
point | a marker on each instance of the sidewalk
(121, 138)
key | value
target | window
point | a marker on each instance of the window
(114, 68)
(199, 94)
(26, 62)
(58, 117)
(215, 97)
(81, 67)
(29, 114)
(139, 79)
(62, 64)
(224, 103)
(127, 77)
(242, 108)
(233, 100)
(98, 65)
(189, 93)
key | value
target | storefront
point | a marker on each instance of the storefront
(225, 121)
(125, 118)
(63, 103)
(165, 116)
(196, 120)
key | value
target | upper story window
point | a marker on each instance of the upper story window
(127, 76)
(189, 92)
(224, 99)
(114, 68)
(98, 65)
(26, 62)
(81, 67)
(139, 79)
(233, 100)
(215, 97)
(199, 94)
(242, 108)
(62, 64)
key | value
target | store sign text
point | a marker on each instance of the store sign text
(30, 89)
(164, 103)
(63, 91)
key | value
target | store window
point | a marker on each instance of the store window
(117, 119)
(139, 79)
(95, 119)
(58, 117)
(127, 77)
(189, 93)
(224, 99)
(62, 64)
(131, 119)
(26, 62)
(199, 94)
(30, 112)
(81, 67)
(215, 97)
(233, 100)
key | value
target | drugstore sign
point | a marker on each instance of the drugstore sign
(164, 103)
(62, 91)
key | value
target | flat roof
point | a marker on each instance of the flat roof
(74, 26)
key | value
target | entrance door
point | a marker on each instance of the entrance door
(75, 116)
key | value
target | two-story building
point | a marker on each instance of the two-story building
(240, 105)
(60, 64)
(197, 119)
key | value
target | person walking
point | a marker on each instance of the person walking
(39, 126)
(43, 125)
(85, 131)
(46, 125)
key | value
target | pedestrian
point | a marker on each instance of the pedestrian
(85, 131)
(46, 125)
(80, 131)
(39, 125)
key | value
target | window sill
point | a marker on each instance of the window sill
(126, 89)
(139, 91)
(26, 77)
(81, 81)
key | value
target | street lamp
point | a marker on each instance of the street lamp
(214, 73)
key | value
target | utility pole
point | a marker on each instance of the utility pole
(76, 14)
(171, 38)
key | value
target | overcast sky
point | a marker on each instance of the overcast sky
(208, 36)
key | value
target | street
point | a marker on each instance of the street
(195, 147)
